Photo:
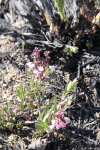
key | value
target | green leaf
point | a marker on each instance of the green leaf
(71, 84)
(10, 124)
(38, 128)
(10, 111)
(55, 99)
(22, 107)
(30, 105)
(2, 123)
(44, 125)
(53, 75)
(66, 88)
(23, 46)
(47, 70)
(46, 116)
(39, 82)
(39, 125)
(43, 130)
(40, 114)
(27, 86)
(31, 83)
(36, 135)
(39, 122)
(46, 110)
(3, 115)
(54, 109)
(36, 90)
(49, 105)
(21, 91)
(13, 119)
(5, 108)
(31, 95)
(60, 6)
(21, 88)
(28, 72)
(19, 123)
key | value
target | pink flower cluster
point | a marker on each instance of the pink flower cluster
(39, 65)
(60, 120)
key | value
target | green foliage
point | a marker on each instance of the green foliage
(25, 93)
(22, 106)
(66, 88)
(34, 90)
(66, 100)
(7, 118)
(47, 70)
(28, 72)
(96, 2)
(70, 49)
(60, 6)
(89, 44)
(19, 125)
(21, 91)
(70, 85)
(46, 115)
(23, 47)
(30, 105)
(32, 84)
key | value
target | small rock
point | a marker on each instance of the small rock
(39, 144)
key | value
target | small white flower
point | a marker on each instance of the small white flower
(51, 67)
(35, 71)
(40, 68)
(29, 63)
(32, 65)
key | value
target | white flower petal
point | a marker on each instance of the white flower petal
(41, 68)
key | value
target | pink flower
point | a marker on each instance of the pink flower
(67, 119)
(36, 54)
(46, 53)
(60, 114)
(39, 64)
(46, 77)
(36, 78)
(60, 120)
(58, 123)
(36, 49)
(51, 67)
(68, 104)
